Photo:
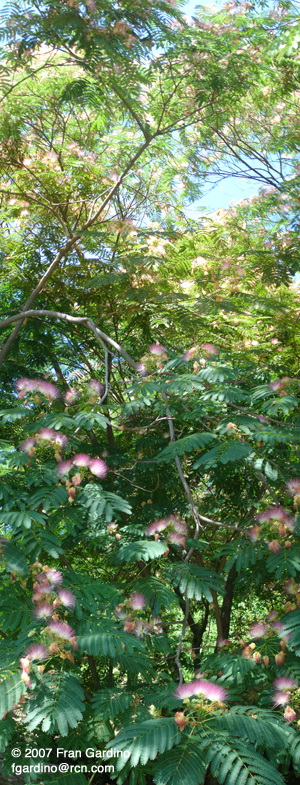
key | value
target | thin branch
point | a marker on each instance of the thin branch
(68, 245)
(181, 637)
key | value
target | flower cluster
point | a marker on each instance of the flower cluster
(175, 530)
(45, 437)
(279, 521)
(83, 461)
(279, 385)
(128, 612)
(48, 597)
(27, 386)
(208, 696)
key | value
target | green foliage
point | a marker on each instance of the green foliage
(146, 739)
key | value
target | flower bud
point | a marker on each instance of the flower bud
(180, 720)
(289, 714)
(279, 658)
(256, 656)
(266, 660)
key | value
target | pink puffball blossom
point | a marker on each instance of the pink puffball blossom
(82, 460)
(64, 467)
(273, 513)
(274, 546)
(190, 354)
(26, 678)
(280, 629)
(141, 369)
(61, 629)
(289, 714)
(54, 576)
(28, 446)
(26, 385)
(71, 396)
(177, 539)
(254, 533)
(137, 601)
(272, 615)
(46, 434)
(284, 683)
(157, 526)
(60, 440)
(98, 467)
(36, 652)
(158, 349)
(67, 598)
(46, 388)
(208, 689)
(26, 664)
(96, 388)
(43, 611)
(258, 630)
(210, 349)
(290, 586)
(293, 486)
(280, 699)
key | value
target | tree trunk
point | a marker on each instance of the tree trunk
(227, 601)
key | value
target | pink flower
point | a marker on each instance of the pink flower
(284, 683)
(26, 678)
(274, 386)
(46, 434)
(280, 698)
(254, 533)
(61, 629)
(37, 652)
(272, 615)
(137, 601)
(76, 479)
(141, 369)
(47, 389)
(190, 354)
(28, 446)
(290, 524)
(210, 349)
(67, 598)
(60, 440)
(26, 664)
(293, 486)
(54, 576)
(43, 611)
(28, 385)
(274, 546)
(290, 586)
(157, 526)
(128, 625)
(96, 388)
(71, 395)
(258, 630)
(289, 714)
(157, 348)
(81, 459)
(178, 539)
(273, 513)
(220, 643)
(279, 627)
(98, 467)
(208, 689)
(64, 467)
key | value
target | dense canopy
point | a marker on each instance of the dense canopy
(150, 409)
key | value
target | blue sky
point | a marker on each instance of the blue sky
(230, 188)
